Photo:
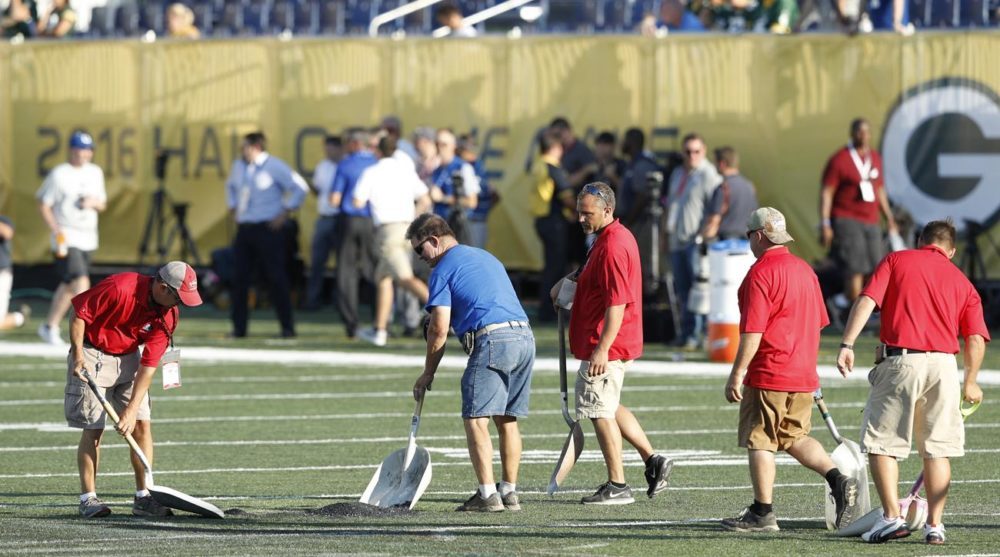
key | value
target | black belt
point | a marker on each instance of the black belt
(895, 351)
(87, 344)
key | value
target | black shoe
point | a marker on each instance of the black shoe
(748, 521)
(608, 494)
(288, 333)
(657, 474)
(845, 496)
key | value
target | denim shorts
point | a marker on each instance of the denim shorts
(497, 379)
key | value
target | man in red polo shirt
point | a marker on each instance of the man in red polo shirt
(927, 303)
(852, 195)
(781, 316)
(112, 320)
(605, 334)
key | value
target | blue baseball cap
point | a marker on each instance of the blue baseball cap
(81, 140)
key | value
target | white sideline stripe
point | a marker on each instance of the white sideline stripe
(416, 362)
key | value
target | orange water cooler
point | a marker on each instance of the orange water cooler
(728, 263)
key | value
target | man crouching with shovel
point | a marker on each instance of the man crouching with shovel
(469, 290)
(111, 320)
(781, 315)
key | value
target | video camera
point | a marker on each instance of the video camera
(457, 186)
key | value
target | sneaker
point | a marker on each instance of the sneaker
(845, 496)
(511, 502)
(50, 335)
(886, 529)
(378, 338)
(657, 474)
(478, 503)
(25, 310)
(934, 535)
(608, 494)
(147, 506)
(749, 521)
(94, 508)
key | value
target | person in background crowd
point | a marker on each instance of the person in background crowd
(468, 150)
(69, 200)
(58, 21)
(734, 199)
(607, 167)
(180, 22)
(448, 202)
(428, 159)
(551, 203)
(324, 238)
(393, 127)
(18, 19)
(578, 163)
(261, 193)
(14, 319)
(450, 16)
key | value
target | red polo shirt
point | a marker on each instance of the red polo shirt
(612, 276)
(120, 315)
(780, 298)
(842, 174)
(926, 301)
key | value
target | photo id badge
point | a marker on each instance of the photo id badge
(172, 369)
(867, 191)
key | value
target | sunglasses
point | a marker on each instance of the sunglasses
(591, 189)
(750, 232)
(419, 248)
(173, 292)
(692, 151)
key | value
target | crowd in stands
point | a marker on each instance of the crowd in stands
(229, 18)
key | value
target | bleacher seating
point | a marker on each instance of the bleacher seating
(227, 18)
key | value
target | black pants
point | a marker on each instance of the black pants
(552, 230)
(355, 259)
(259, 247)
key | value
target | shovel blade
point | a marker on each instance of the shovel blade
(861, 525)
(394, 485)
(174, 499)
(567, 458)
(848, 458)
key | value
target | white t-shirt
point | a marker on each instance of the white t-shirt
(323, 180)
(62, 190)
(390, 187)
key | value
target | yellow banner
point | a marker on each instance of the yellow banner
(784, 102)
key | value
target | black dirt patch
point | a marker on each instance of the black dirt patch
(236, 511)
(359, 510)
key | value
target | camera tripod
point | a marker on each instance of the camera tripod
(972, 262)
(156, 221)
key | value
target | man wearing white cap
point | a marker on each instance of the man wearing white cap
(781, 316)
(111, 321)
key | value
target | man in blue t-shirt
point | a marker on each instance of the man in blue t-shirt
(470, 292)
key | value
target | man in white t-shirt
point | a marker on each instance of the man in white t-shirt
(324, 238)
(394, 193)
(70, 198)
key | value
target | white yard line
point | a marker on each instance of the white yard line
(387, 359)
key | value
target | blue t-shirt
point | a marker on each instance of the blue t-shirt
(346, 181)
(475, 285)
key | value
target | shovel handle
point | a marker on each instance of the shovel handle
(825, 412)
(114, 417)
(563, 380)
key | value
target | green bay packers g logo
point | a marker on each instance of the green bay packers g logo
(941, 152)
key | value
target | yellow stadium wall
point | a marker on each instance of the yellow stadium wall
(784, 102)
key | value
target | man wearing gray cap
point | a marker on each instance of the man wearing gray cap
(111, 321)
(781, 315)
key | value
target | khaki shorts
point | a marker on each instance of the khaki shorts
(599, 397)
(915, 395)
(773, 420)
(116, 377)
(393, 251)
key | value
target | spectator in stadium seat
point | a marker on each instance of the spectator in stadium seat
(450, 16)
(890, 15)
(324, 238)
(676, 18)
(180, 22)
(733, 200)
(17, 19)
(690, 191)
(851, 198)
(58, 21)
(551, 200)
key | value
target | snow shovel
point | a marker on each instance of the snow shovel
(574, 442)
(165, 496)
(404, 475)
(913, 507)
(848, 458)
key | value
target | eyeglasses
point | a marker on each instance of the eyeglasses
(419, 248)
(750, 232)
(173, 292)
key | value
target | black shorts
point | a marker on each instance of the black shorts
(76, 264)
(857, 246)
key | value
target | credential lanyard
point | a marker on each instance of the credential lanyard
(864, 166)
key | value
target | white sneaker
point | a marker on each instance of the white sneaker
(934, 535)
(50, 335)
(886, 529)
(378, 338)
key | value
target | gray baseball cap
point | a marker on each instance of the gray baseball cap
(772, 222)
